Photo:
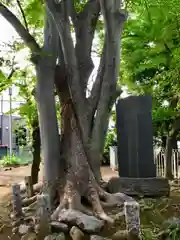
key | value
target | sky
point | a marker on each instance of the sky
(7, 34)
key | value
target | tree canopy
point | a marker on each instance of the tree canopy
(150, 58)
(61, 39)
(60, 36)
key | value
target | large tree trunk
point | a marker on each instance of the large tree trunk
(84, 121)
(80, 181)
(36, 145)
(79, 178)
(45, 70)
(48, 125)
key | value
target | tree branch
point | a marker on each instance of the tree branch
(105, 85)
(175, 127)
(11, 74)
(23, 14)
(96, 89)
(108, 71)
(60, 14)
(51, 38)
(23, 33)
(72, 12)
(85, 29)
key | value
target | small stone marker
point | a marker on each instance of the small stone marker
(43, 213)
(16, 201)
(29, 186)
(132, 217)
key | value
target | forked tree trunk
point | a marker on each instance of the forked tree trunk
(36, 145)
(80, 181)
(79, 178)
(82, 119)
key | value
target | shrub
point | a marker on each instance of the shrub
(13, 160)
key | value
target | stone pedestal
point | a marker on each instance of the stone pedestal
(135, 137)
(142, 187)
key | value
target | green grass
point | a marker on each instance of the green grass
(8, 161)
(160, 216)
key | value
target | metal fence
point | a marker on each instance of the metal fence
(159, 158)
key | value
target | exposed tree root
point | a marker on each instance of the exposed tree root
(28, 201)
(36, 187)
(86, 223)
(81, 184)
(71, 210)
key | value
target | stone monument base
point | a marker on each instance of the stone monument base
(146, 187)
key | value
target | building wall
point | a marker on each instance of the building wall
(4, 122)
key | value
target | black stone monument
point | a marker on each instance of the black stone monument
(135, 137)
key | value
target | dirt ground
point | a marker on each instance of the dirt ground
(152, 216)
(9, 176)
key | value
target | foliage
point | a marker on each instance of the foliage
(8, 161)
(150, 59)
(21, 136)
(26, 85)
(157, 218)
(110, 141)
(20, 77)
(147, 68)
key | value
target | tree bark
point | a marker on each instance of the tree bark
(36, 145)
(75, 159)
(114, 20)
(45, 70)
(170, 143)
(48, 123)
(163, 139)
(80, 181)
(168, 158)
